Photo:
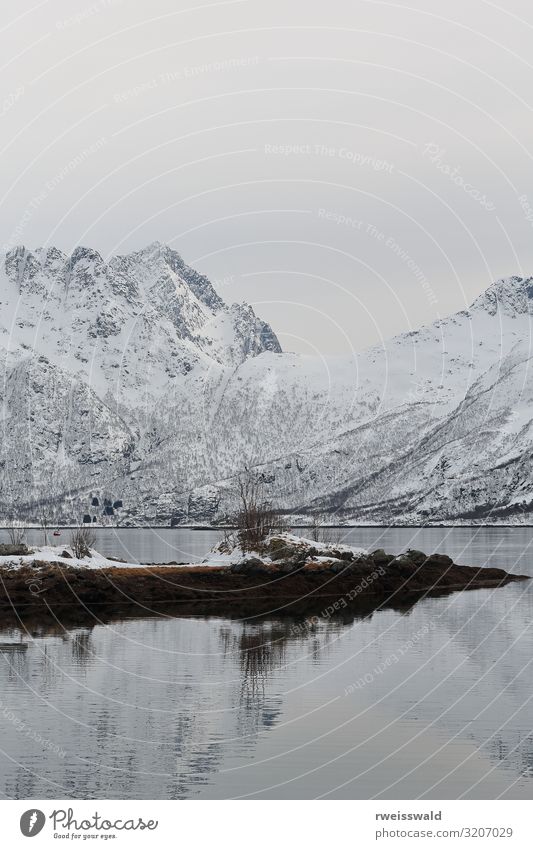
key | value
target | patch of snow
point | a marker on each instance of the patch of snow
(229, 553)
(52, 554)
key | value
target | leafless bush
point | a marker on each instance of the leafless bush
(333, 536)
(44, 528)
(17, 533)
(82, 540)
(320, 532)
(227, 540)
(316, 529)
(256, 518)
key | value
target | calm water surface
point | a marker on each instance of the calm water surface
(510, 548)
(435, 701)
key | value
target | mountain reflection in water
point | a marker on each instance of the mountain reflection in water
(428, 700)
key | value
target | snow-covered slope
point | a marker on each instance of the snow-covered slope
(127, 327)
(131, 389)
(452, 437)
(100, 361)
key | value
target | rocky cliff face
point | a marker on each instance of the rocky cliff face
(131, 383)
(102, 362)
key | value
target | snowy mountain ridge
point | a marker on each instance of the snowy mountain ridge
(130, 382)
(125, 326)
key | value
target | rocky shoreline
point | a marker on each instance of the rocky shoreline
(297, 581)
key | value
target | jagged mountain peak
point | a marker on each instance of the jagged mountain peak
(101, 320)
(45, 255)
(255, 334)
(163, 259)
(85, 255)
(510, 295)
(51, 256)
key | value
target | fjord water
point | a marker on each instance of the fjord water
(429, 701)
(507, 547)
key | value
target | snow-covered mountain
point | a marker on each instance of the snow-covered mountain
(99, 360)
(130, 388)
(453, 436)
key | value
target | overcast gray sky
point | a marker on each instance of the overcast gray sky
(352, 168)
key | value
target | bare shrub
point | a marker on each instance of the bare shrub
(320, 532)
(316, 529)
(82, 540)
(256, 518)
(226, 543)
(17, 533)
(44, 527)
(333, 536)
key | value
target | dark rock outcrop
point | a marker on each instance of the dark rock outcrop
(7, 550)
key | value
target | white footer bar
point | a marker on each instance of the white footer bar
(267, 825)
